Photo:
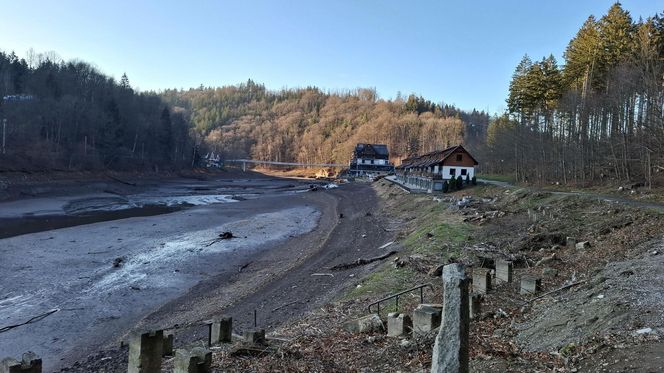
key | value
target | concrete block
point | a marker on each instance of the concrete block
(451, 351)
(221, 330)
(145, 352)
(475, 306)
(530, 285)
(427, 317)
(254, 336)
(481, 280)
(399, 324)
(197, 360)
(366, 324)
(30, 363)
(167, 349)
(571, 242)
(504, 270)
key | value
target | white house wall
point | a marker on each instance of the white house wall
(447, 175)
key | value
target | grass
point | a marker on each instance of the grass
(385, 280)
(497, 177)
(438, 234)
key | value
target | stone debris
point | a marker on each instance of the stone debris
(367, 324)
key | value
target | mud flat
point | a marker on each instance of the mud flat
(100, 279)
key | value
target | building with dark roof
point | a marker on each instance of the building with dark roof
(430, 169)
(370, 159)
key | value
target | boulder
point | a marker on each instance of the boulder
(583, 245)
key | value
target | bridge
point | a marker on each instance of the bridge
(291, 164)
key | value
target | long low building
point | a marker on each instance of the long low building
(428, 171)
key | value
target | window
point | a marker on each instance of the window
(464, 172)
(459, 157)
(452, 171)
(372, 161)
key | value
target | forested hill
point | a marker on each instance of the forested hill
(599, 116)
(69, 116)
(309, 125)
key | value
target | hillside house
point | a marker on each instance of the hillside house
(428, 171)
(370, 159)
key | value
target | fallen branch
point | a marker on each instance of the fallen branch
(30, 321)
(285, 305)
(555, 290)
(120, 181)
(322, 274)
(362, 261)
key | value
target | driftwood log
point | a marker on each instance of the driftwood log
(362, 261)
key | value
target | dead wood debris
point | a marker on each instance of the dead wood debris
(362, 261)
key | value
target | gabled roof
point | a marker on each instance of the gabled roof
(433, 158)
(379, 149)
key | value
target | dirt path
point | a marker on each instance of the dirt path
(277, 283)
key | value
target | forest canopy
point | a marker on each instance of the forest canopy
(598, 116)
(68, 115)
(311, 126)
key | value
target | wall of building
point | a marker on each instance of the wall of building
(447, 172)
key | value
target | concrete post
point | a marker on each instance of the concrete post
(450, 354)
(221, 330)
(254, 336)
(426, 318)
(198, 360)
(481, 280)
(30, 363)
(145, 352)
(530, 285)
(475, 306)
(504, 271)
(398, 325)
(167, 350)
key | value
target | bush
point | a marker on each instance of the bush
(467, 179)
(459, 182)
(446, 186)
(474, 180)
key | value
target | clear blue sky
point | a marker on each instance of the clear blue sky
(460, 52)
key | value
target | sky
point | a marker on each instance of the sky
(457, 52)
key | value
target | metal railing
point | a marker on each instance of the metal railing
(396, 295)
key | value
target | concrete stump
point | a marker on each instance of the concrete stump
(366, 324)
(481, 280)
(503, 271)
(198, 360)
(254, 336)
(426, 318)
(475, 306)
(530, 285)
(571, 242)
(398, 324)
(221, 331)
(145, 352)
(450, 353)
(167, 349)
(30, 363)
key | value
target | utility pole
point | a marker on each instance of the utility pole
(4, 136)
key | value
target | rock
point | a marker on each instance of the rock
(406, 344)
(546, 260)
(644, 331)
(117, 262)
(620, 188)
(583, 245)
(366, 324)
(436, 271)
